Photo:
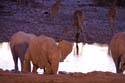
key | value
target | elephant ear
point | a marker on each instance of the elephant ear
(65, 47)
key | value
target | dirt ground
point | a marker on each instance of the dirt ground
(92, 77)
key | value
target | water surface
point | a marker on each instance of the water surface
(92, 57)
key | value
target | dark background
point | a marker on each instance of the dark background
(34, 16)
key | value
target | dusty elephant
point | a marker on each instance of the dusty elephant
(18, 44)
(46, 54)
(117, 47)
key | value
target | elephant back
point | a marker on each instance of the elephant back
(21, 37)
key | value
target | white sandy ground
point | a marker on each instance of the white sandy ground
(91, 58)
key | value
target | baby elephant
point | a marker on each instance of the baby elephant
(46, 54)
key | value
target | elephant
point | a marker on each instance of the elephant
(116, 46)
(19, 43)
(46, 54)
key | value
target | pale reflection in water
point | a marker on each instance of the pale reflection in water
(92, 57)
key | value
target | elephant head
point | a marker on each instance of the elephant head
(19, 43)
(116, 46)
(46, 54)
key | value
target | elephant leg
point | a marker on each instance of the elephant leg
(22, 50)
(26, 66)
(22, 63)
(54, 67)
(118, 67)
(15, 58)
(35, 67)
(116, 63)
(47, 69)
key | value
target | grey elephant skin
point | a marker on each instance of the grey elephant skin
(19, 43)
